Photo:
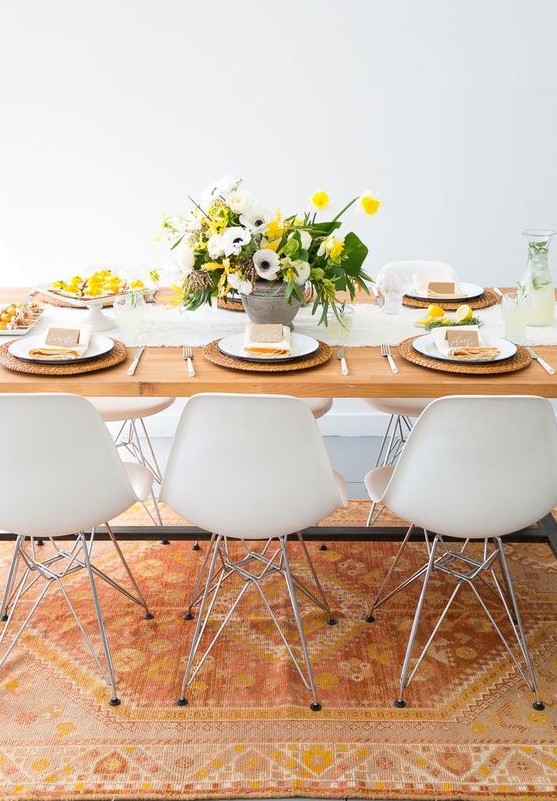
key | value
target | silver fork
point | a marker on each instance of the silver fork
(187, 355)
(386, 351)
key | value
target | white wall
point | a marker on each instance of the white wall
(112, 111)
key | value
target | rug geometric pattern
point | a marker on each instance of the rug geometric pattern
(468, 732)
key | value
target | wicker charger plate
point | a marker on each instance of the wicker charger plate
(118, 354)
(519, 361)
(320, 356)
(488, 298)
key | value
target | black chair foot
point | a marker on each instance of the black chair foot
(182, 702)
(196, 546)
(188, 616)
(332, 621)
(4, 618)
(315, 707)
(40, 542)
(400, 703)
(539, 706)
(323, 547)
(369, 618)
(114, 702)
(148, 616)
(165, 542)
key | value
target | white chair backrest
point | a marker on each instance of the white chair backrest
(250, 466)
(477, 466)
(404, 270)
(61, 472)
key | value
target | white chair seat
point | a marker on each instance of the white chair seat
(113, 409)
(318, 406)
(405, 407)
(376, 481)
(140, 478)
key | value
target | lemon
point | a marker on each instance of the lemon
(425, 320)
(435, 311)
(463, 313)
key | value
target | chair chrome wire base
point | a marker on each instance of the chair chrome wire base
(253, 567)
(394, 440)
(53, 569)
(470, 572)
(129, 440)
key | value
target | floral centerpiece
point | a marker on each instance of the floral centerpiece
(227, 245)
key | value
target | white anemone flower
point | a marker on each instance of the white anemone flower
(239, 284)
(266, 263)
(185, 257)
(233, 239)
(215, 247)
(255, 218)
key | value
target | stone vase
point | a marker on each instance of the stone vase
(266, 304)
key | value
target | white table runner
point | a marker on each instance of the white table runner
(164, 326)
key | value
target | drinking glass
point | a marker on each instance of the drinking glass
(390, 291)
(515, 310)
(129, 312)
(339, 327)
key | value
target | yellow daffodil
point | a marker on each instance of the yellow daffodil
(274, 228)
(320, 200)
(368, 203)
(216, 265)
(336, 248)
(176, 298)
(137, 284)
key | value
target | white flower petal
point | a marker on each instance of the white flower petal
(185, 257)
(233, 239)
(215, 247)
(266, 263)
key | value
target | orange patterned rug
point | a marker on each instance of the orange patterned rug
(469, 730)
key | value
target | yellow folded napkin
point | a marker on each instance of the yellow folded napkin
(63, 343)
(423, 280)
(470, 346)
(267, 340)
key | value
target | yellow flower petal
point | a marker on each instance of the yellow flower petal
(368, 203)
(320, 199)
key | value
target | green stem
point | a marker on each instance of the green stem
(345, 209)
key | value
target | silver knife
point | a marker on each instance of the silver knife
(343, 365)
(137, 356)
(547, 367)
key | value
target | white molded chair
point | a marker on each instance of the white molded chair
(254, 468)
(402, 411)
(64, 477)
(474, 468)
(130, 412)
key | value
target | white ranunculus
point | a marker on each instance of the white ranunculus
(266, 263)
(233, 239)
(239, 284)
(302, 270)
(255, 217)
(238, 201)
(220, 188)
(185, 257)
(215, 247)
(305, 238)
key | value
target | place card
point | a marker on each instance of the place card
(442, 287)
(62, 337)
(462, 339)
(265, 332)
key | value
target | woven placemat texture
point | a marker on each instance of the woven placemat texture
(213, 354)
(489, 298)
(118, 354)
(519, 361)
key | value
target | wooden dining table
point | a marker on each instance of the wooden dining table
(162, 372)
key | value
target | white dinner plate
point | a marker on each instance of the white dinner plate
(469, 292)
(98, 346)
(427, 347)
(302, 345)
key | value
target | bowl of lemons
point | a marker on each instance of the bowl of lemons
(437, 317)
